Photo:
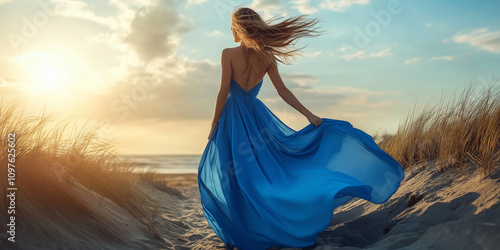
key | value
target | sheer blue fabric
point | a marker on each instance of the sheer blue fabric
(263, 184)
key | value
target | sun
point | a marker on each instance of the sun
(49, 75)
(48, 72)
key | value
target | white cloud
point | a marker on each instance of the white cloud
(429, 24)
(79, 9)
(415, 59)
(384, 53)
(481, 38)
(362, 54)
(358, 54)
(268, 8)
(265, 3)
(120, 22)
(215, 33)
(190, 2)
(327, 99)
(313, 54)
(304, 6)
(340, 5)
(299, 80)
(345, 96)
(442, 58)
(343, 49)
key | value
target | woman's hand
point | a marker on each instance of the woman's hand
(211, 131)
(314, 119)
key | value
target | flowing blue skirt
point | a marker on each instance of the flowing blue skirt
(263, 184)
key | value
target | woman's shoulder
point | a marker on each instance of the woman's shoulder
(228, 54)
(230, 50)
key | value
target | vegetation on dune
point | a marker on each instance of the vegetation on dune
(456, 132)
(51, 157)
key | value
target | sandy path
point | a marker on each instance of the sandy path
(182, 223)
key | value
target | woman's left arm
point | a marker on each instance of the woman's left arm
(224, 88)
(288, 96)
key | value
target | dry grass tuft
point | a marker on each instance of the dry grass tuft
(52, 156)
(455, 132)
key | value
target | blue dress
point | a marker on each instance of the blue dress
(263, 184)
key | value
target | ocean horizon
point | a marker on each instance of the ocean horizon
(165, 163)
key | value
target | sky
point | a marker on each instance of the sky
(148, 71)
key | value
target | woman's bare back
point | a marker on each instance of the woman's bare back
(247, 67)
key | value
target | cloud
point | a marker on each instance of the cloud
(344, 96)
(429, 24)
(343, 101)
(305, 86)
(415, 59)
(4, 1)
(442, 58)
(155, 32)
(293, 81)
(191, 2)
(384, 53)
(480, 38)
(265, 4)
(313, 54)
(215, 33)
(340, 5)
(358, 54)
(150, 28)
(329, 99)
(119, 23)
(299, 80)
(177, 89)
(343, 49)
(362, 54)
(12, 72)
(268, 8)
(304, 6)
(80, 9)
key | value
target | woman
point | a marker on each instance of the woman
(263, 184)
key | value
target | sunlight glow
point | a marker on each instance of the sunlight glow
(49, 72)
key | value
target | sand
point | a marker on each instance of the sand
(454, 209)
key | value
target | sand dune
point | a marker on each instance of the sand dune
(454, 209)
(457, 210)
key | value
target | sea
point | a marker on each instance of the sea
(166, 164)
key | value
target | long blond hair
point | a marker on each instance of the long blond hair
(272, 41)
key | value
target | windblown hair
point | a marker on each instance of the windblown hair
(272, 41)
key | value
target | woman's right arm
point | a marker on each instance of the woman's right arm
(224, 88)
(288, 96)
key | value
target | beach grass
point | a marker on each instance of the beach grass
(51, 157)
(455, 131)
